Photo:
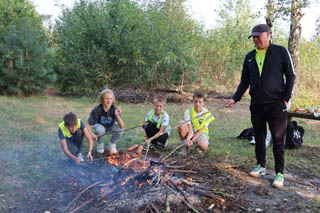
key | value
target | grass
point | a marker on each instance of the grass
(28, 137)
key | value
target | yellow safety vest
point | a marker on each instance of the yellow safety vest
(65, 131)
(160, 118)
(208, 118)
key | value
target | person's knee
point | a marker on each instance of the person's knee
(182, 126)
(99, 129)
(203, 145)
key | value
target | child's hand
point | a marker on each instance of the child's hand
(89, 156)
(118, 111)
(94, 137)
(189, 142)
(146, 139)
(77, 160)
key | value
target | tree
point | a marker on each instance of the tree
(25, 66)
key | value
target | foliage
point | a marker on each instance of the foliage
(25, 66)
(122, 44)
(222, 50)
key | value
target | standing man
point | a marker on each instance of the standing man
(268, 70)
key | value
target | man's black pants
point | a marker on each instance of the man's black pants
(275, 114)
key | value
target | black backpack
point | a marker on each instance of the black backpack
(294, 135)
(246, 134)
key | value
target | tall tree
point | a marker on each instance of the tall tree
(270, 17)
(295, 37)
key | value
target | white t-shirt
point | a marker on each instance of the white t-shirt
(165, 120)
(187, 117)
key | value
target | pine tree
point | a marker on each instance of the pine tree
(25, 67)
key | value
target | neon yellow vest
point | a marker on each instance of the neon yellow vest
(208, 118)
(65, 131)
(160, 118)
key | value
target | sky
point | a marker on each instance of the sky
(201, 10)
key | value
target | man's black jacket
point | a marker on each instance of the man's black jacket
(277, 77)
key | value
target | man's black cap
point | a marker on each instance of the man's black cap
(258, 29)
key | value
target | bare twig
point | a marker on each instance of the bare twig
(154, 207)
(81, 194)
(183, 171)
(181, 145)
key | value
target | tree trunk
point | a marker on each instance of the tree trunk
(270, 16)
(294, 39)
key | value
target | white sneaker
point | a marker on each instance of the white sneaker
(100, 148)
(258, 171)
(253, 141)
(112, 148)
(278, 181)
(80, 157)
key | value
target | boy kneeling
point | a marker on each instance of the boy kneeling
(157, 128)
(71, 132)
(194, 129)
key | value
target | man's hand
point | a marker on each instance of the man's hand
(118, 111)
(230, 102)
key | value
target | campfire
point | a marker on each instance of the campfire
(136, 182)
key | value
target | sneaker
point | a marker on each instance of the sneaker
(258, 171)
(253, 141)
(112, 148)
(80, 157)
(278, 181)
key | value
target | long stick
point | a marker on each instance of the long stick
(178, 147)
(122, 130)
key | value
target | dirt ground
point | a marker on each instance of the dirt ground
(56, 181)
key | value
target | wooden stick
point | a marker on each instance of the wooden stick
(122, 130)
(183, 171)
(81, 194)
(172, 152)
(154, 207)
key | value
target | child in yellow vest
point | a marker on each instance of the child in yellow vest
(158, 127)
(194, 130)
(71, 132)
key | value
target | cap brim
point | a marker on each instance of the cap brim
(254, 34)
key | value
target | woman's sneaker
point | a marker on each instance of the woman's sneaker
(258, 171)
(278, 181)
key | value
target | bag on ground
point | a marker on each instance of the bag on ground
(246, 134)
(294, 135)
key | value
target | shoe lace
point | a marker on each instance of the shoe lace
(279, 177)
(258, 167)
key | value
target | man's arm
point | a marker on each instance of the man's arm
(67, 152)
(289, 75)
(244, 82)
